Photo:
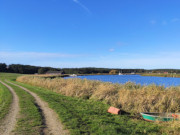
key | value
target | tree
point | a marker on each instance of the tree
(3, 67)
(113, 72)
(42, 70)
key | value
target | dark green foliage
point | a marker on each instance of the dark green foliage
(3, 67)
(44, 70)
(87, 70)
(27, 69)
(22, 69)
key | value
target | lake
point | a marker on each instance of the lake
(143, 80)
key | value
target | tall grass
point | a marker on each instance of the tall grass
(129, 97)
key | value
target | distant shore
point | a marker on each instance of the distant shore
(162, 75)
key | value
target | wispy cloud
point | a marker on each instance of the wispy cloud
(34, 55)
(153, 22)
(111, 50)
(38, 58)
(83, 6)
(175, 20)
(149, 61)
(120, 43)
(164, 23)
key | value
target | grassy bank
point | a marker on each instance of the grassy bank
(130, 97)
(83, 116)
(5, 100)
(30, 120)
(11, 76)
(162, 75)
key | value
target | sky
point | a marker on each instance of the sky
(91, 33)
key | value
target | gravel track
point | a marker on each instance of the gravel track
(9, 122)
(52, 122)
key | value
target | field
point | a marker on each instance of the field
(83, 110)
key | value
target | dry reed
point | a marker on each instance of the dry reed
(130, 97)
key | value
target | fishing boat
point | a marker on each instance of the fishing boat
(160, 116)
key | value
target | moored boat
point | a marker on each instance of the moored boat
(73, 75)
(160, 116)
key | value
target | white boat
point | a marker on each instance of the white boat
(120, 73)
(73, 75)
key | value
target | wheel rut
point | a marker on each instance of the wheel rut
(8, 124)
(52, 123)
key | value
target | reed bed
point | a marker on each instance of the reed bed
(129, 97)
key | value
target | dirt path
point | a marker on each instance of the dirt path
(54, 127)
(9, 122)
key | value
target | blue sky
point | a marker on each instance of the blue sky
(91, 33)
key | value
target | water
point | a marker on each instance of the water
(143, 80)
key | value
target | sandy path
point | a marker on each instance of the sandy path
(54, 127)
(9, 122)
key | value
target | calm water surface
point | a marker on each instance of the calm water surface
(143, 80)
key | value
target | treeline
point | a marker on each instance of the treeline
(163, 71)
(28, 69)
(25, 69)
(87, 70)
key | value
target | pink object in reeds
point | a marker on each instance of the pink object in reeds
(113, 110)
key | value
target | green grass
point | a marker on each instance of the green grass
(11, 76)
(30, 120)
(82, 116)
(5, 100)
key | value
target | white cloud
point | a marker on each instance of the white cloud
(82, 5)
(175, 20)
(109, 60)
(37, 58)
(147, 61)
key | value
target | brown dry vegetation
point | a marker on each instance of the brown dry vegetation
(162, 74)
(130, 97)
